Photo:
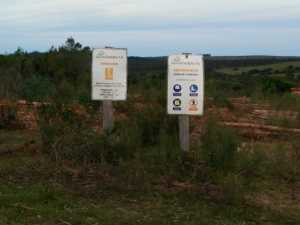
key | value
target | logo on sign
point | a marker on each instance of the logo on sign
(177, 104)
(194, 90)
(100, 54)
(193, 105)
(177, 90)
(109, 73)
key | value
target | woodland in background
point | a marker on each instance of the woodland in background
(243, 167)
(64, 74)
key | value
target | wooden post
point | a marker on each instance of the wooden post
(184, 132)
(108, 116)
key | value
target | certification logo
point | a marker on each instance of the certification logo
(177, 104)
(177, 90)
(193, 105)
(194, 90)
(100, 54)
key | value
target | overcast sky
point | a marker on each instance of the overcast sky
(154, 27)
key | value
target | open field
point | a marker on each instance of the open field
(57, 165)
(37, 190)
(34, 190)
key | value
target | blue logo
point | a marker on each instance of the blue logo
(177, 88)
(194, 88)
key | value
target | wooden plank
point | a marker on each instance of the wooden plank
(184, 132)
(108, 116)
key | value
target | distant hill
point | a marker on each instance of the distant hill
(254, 57)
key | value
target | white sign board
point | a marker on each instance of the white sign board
(185, 84)
(109, 74)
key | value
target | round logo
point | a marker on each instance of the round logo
(177, 88)
(177, 102)
(194, 88)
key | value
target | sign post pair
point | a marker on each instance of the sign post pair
(185, 86)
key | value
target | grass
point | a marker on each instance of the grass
(40, 204)
(33, 191)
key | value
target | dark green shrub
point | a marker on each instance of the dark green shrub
(275, 85)
(219, 147)
(65, 135)
(125, 140)
(222, 101)
(149, 121)
(38, 88)
(8, 116)
(11, 84)
(66, 92)
(68, 136)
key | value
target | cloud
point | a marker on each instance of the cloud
(36, 13)
(51, 20)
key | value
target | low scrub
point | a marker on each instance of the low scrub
(69, 136)
(219, 147)
(65, 135)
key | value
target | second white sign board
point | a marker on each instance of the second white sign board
(185, 84)
(109, 74)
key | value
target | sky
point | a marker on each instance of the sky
(154, 27)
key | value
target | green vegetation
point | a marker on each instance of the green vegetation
(37, 190)
(279, 68)
(222, 154)
(70, 172)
